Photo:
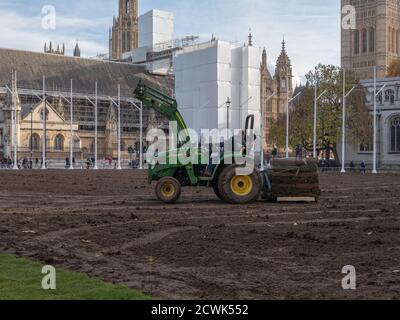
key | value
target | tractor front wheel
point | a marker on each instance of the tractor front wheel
(168, 190)
(239, 189)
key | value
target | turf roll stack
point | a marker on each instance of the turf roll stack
(295, 178)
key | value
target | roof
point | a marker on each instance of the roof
(58, 69)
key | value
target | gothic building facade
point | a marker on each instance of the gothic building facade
(281, 83)
(124, 32)
(51, 50)
(376, 39)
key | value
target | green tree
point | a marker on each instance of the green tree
(329, 123)
(394, 68)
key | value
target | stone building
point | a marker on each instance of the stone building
(51, 50)
(281, 83)
(376, 39)
(388, 127)
(59, 70)
(123, 35)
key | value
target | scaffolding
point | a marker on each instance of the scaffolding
(90, 111)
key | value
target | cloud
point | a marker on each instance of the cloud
(311, 27)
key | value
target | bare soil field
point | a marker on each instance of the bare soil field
(109, 225)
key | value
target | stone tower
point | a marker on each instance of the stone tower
(284, 79)
(375, 41)
(268, 87)
(111, 145)
(124, 32)
(12, 110)
(77, 50)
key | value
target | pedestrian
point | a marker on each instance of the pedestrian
(67, 163)
(352, 166)
(363, 167)
(36, 163)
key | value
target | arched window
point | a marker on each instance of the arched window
(123, 41)
(364, 41)
(283, 83)
(372, 40)
(59, 143)
(41, 114)
(379, 98)
(389, 96)
(356, 42)
(34, 142)
(398, 42)
(128, 41)
(395, 134)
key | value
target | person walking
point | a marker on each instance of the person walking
(352, 167)
(363, 167)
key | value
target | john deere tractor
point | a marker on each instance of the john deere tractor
(298, 177)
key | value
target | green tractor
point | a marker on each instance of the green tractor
(223, 176)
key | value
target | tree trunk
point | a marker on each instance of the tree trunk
(336, 155)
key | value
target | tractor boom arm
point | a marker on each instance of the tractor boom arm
(161, 103)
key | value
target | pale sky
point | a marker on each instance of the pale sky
(311, 27)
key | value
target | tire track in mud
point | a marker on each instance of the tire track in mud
(201, 248)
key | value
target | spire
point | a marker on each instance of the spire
(77, 50)
(63, 49)
(250, 44)
(51, 47)
(264, 58)
(45, 47)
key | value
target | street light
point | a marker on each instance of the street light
(345, 95)
(228, 106)
(315, 117)
(375, 95)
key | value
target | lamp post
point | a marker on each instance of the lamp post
(119, 128)
(15, 134)
(315, 117)
(375, 95)
(345, 95)
(228, 106)
(44, 125)
(71, 143)
(95, 129)
(287, 120)
(31, 148)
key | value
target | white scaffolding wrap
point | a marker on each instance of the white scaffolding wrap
(206, 75)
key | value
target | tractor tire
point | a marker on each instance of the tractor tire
(217, 193)
(237, 189)
(168, 190)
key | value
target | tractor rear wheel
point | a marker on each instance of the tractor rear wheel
(168, 190)
(239, 189)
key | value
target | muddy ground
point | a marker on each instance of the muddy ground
(108, 225)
